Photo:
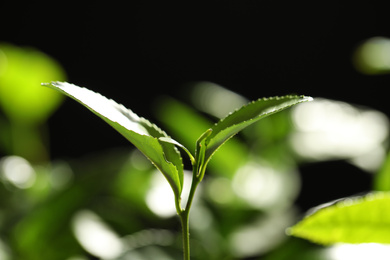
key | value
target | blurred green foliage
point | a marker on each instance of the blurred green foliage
(21, 72)
(372, 56)
(24, 103)
(73, 209)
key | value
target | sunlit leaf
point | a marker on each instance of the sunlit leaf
(245, 116)
(353, 220)
(200, 153)
(21, 72)
(139, 131)
(172, 141)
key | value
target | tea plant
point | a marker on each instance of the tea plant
(161, 149)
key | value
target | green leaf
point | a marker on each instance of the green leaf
(174, 115)
(245, 116)
(139, 131)
(172, 141)
(353, 220)
(200, 154)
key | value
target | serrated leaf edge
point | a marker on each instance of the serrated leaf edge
(339, 203)
(304, 99)
(127, 112)
(266, 113)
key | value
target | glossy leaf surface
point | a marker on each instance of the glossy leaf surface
(245, 116)
(139, 131)
(354, 220)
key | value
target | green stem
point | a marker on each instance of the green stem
(198, 171)
(184, 215)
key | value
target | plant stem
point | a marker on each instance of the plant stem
(185, 215)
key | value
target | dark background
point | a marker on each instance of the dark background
(142, 49)
(137, 51)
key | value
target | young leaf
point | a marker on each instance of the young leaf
(353, 220)
(139, 131)
(200, 154)
(174, 115)
(245, 116)
(172, 141)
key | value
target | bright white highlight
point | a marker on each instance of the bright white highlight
(373, 56)
(216, 100)
(264, 186)
(160, 198)
(261, 235)
(257, 185)
(328, 129)
(4, 251)
(359, 252)
(95, 236)
(220, 190)
(148, 237)
(17, 171)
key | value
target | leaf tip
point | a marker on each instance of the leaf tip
(50, 84)
(307, 98)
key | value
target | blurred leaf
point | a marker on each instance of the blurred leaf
(181, 119)
(245, 116)
(137, 130)
(298, 249)
(133, 182)
(353, 220)
(269, 138)
(270, 130)
(5, 133)
(372, 57)
(21, 72)
(50, 218)
(382, 178)
(214, 99)
(28, 141)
